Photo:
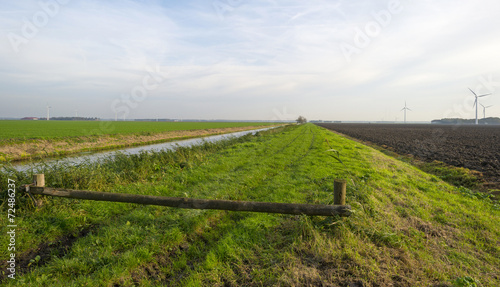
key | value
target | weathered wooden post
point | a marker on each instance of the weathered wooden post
(339, 188)
(39, 180)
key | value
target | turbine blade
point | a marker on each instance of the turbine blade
(472, 92)
(409, 109)
(484, 95)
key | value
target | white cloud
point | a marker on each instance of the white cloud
(260, 56)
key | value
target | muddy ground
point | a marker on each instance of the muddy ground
(469, 146)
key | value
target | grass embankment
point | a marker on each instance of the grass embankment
(21, 140)
(408, 229)
(470, 182)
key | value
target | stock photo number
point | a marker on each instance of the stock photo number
(11, 229)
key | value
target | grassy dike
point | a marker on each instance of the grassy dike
(409, 228)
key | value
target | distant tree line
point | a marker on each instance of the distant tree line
(458, 121)
(154, 120)
(72, 119)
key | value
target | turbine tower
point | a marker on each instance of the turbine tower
(48, 112)
(484, 110)
(476, 103)
(404, 109)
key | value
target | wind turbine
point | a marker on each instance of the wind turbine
(484, 110)
(404, 109)
(475, 101)
(48, 112)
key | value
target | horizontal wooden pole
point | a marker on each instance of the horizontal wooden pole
(189, 203)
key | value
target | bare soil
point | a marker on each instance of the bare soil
(469, 146)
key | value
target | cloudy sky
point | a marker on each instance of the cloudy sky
(249, 60)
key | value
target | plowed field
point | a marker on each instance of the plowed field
(472, 147)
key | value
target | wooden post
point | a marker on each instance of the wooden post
(39, 180)
(339, 188)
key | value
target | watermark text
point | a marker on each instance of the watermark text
(31, 27)
(11, 229)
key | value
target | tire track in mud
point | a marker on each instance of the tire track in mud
(268, 155)
(269, 159)
(199, 244)
(313, 139)
(291, 142)
(58, 247)
(287, 145)
(153, 271)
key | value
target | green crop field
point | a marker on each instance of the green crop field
(408, 228)
(22, 130)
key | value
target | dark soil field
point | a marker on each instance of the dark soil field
(472, 147)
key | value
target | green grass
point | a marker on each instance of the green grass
(457, 176)
(409, 228)
(27, 130)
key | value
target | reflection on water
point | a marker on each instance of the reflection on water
(93, 156)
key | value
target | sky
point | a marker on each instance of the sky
(249, 60)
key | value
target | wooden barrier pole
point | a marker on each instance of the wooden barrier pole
(39, 180)
(339, 188)
(267, 207)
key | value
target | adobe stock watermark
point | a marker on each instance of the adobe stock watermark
(223, 7)
(122, 106)
(364, 36)
(12, 262)
(31, 27)
(486, 84)
(283, 115)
